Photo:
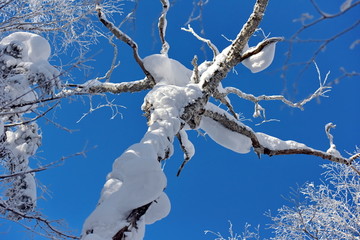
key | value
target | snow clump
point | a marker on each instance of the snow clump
(260, 61)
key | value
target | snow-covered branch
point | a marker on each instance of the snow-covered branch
(232, 55)
(162, 26)
(94, 86)
(265, 144)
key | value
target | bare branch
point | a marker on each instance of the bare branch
(45, 167)
(38, 219)
(33, 119)
(207, 41)
(324, 16)
(126, 39)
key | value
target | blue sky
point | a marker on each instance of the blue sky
(217, 185)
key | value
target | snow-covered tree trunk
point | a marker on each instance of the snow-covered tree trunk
(179, 101)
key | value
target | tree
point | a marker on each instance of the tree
(329, 210)
(178, 101)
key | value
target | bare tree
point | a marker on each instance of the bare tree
(178, 101)
(301, 38)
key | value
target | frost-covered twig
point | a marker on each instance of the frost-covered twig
(109, 104)
(45, 167)
(126, 39)
(162, 26)
(199, 17)
(207, 41)
(326, 211)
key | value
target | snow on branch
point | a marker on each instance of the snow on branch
(162, 26)
(265, 144)
(232, 55)
(261, 56)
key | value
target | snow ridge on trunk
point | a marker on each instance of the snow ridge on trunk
(137, 178)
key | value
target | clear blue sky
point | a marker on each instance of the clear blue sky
(217, 185)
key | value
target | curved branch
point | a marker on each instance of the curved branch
(126, 39)
(207, 41)
(323, 17)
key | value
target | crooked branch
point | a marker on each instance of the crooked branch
(126, 39)
(207, 41)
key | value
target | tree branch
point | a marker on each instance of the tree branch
(260, 147)
(39, 219)
(232, 55)
(126, 39)
(207, 41)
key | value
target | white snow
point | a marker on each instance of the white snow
(167, 71)
(260, 61)
(189, 147)
(158, 209)
(223, 136)
(34, 47)
(29, 53)
(333, 151)
(207, 70)
(274, 143)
